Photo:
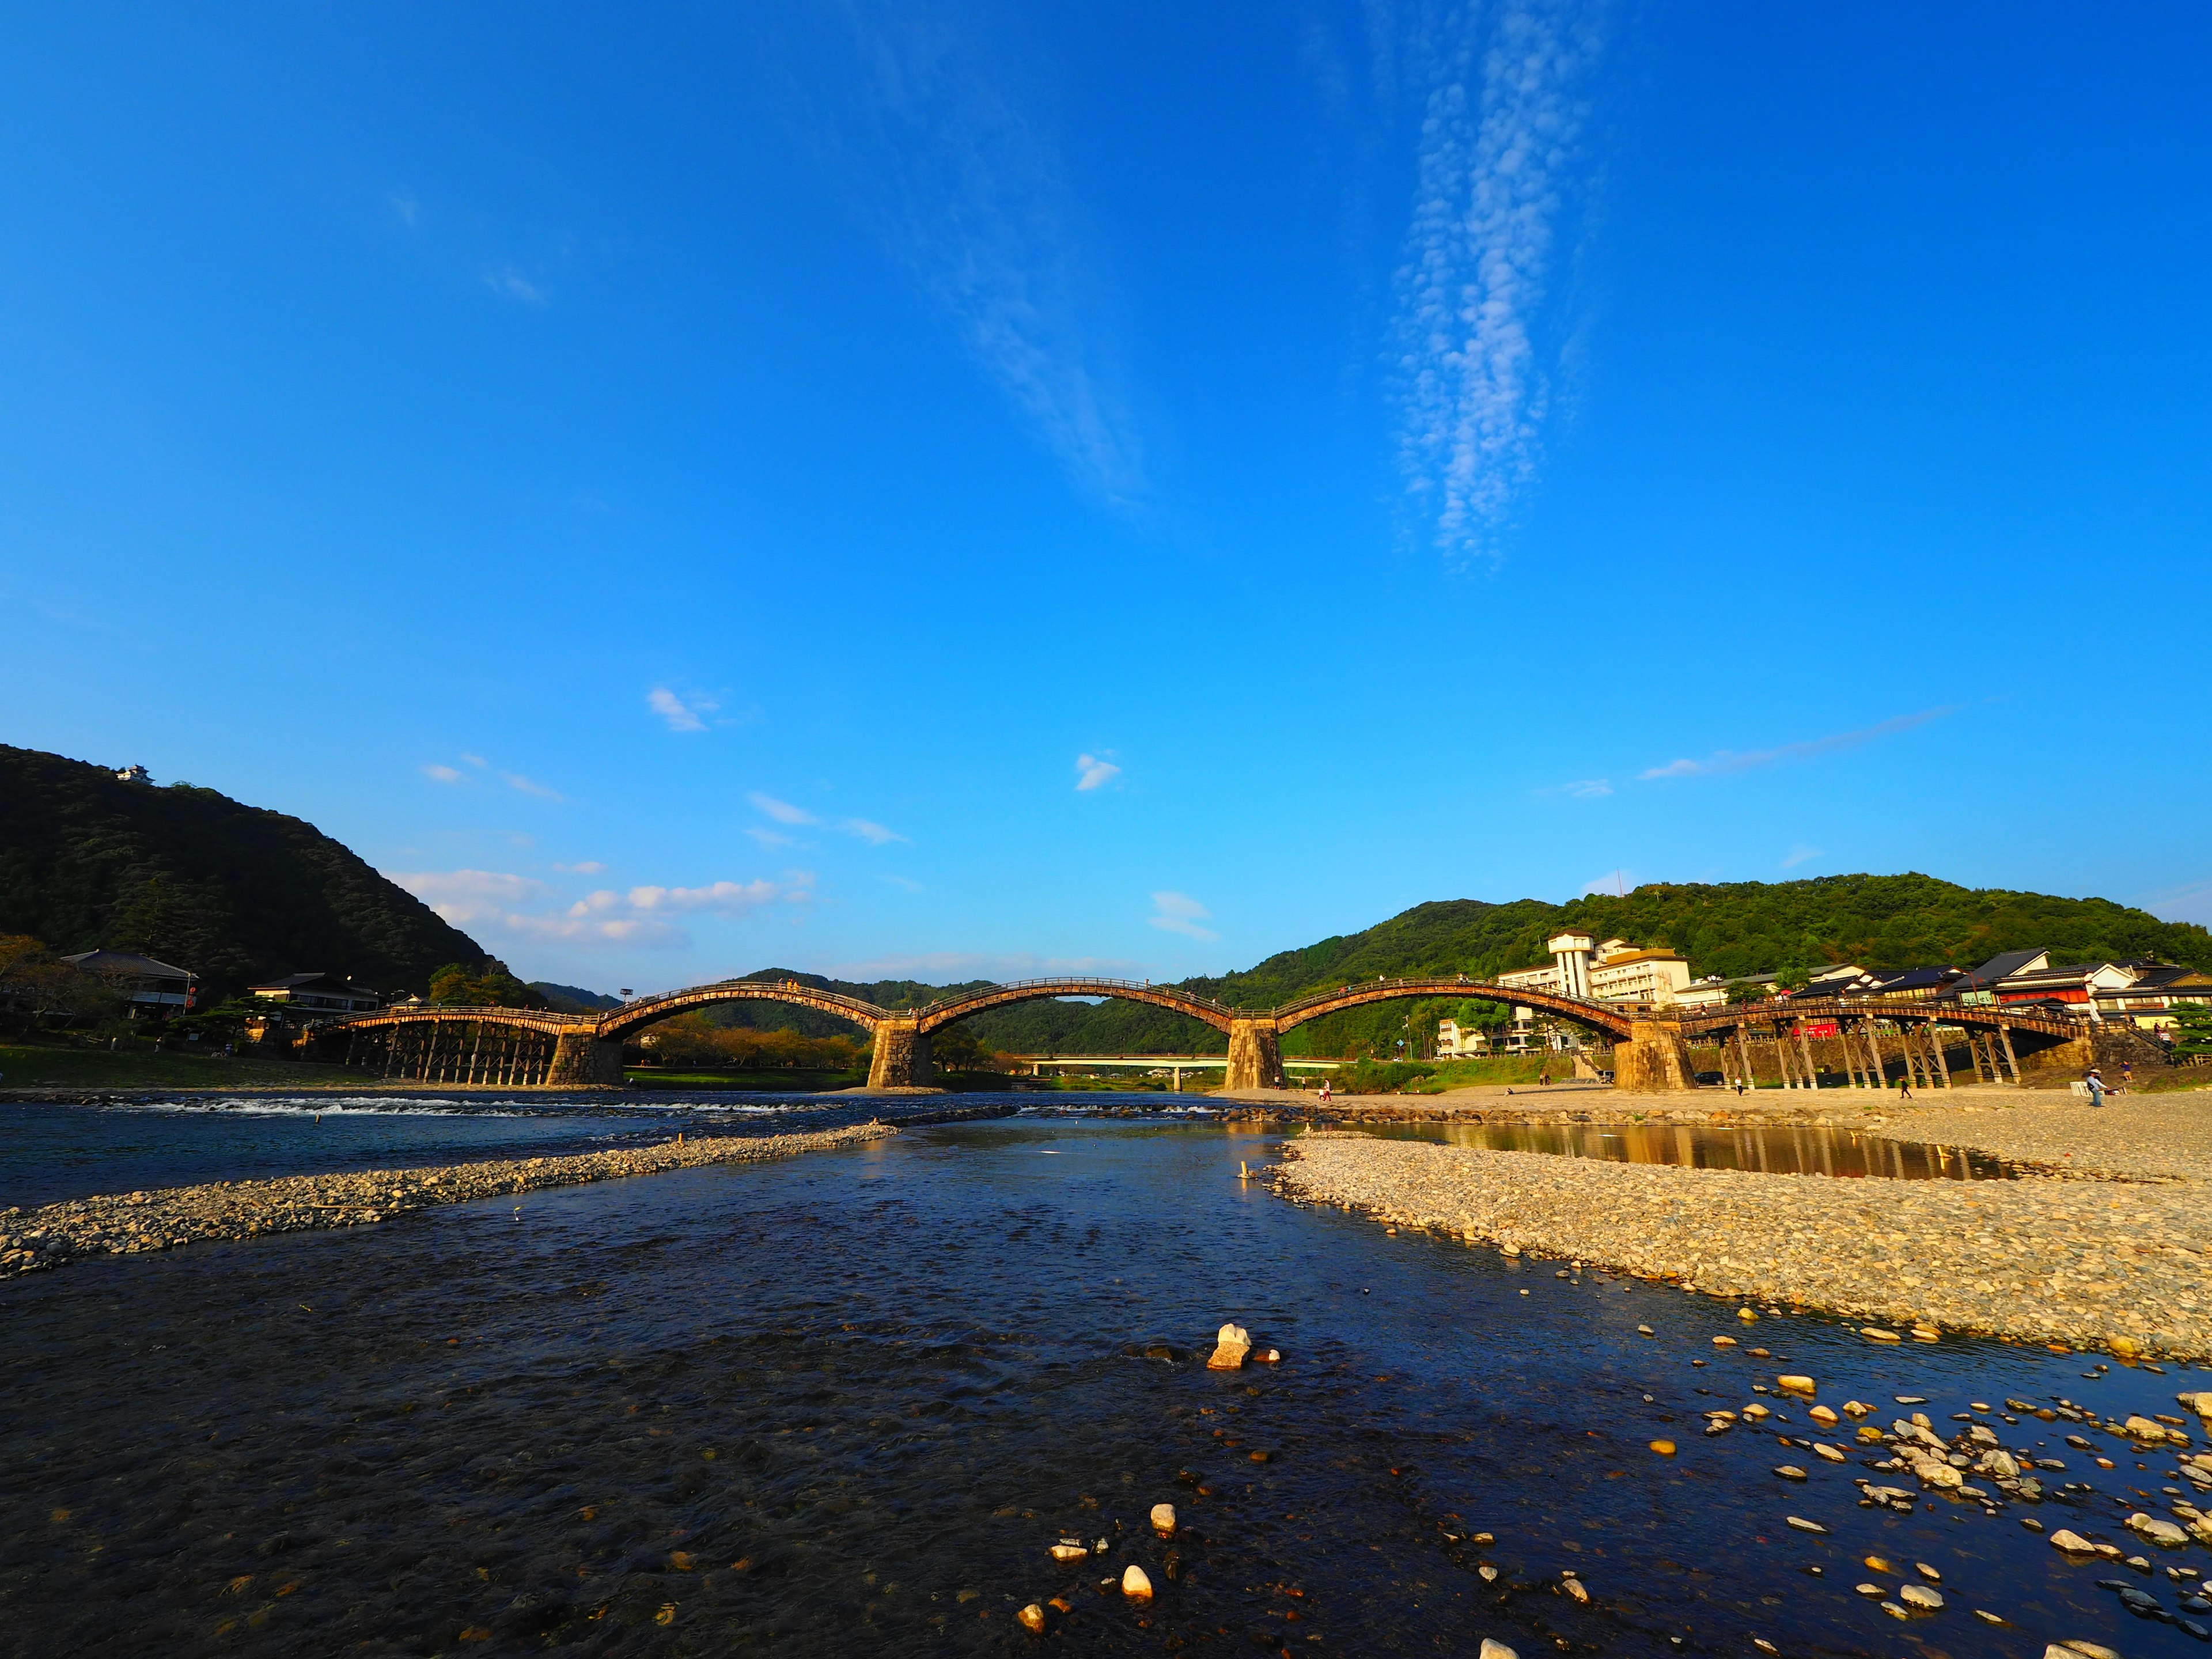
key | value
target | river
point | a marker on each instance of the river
(847, 1403)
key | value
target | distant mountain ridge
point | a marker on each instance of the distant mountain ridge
(238, 894)
(574, 999)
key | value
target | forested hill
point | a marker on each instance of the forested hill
(235, 893)
(1737, 927)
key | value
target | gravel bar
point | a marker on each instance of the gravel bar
(2162, 1137)
(125, 1223)
(2089, 1264)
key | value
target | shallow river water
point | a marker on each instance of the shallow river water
(846, 1403)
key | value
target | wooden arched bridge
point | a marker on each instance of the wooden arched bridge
(523, 1047)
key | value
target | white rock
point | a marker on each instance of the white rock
(1164, 1519)
(1919, 1595)
(1032, 1617)
(1573, 1587)
(1804, 1525)
(1069, 1552)
(2072, 1542)
(1831, 1454)
(1134, 1584)
(1491, 1650)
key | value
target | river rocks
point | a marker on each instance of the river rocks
(1919, 1595)
(2000, 1464)
(2157, 1531)
(1576, 1590)
(2072, 1542)
(1803, 1525)
(1795, 1385)
(1790, 1472)
(1032, 1618)
(1829, 1454)
(1491, 1650)
(1664, 1447)
(1231, 1345)
(1875, 1334)
(2142, 1428)
(1068, 1550)
(1724, 1342)
(1135, 1584)
(1822, 1414)
(1163, 1519)
(127, 1222)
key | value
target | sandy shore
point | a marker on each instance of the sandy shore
(2090, 1264)
(123, 1223)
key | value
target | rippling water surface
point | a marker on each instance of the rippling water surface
(844, 1403)
(1769, 1149)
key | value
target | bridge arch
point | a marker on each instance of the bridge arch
(1598, 1016)
(939, 1015)
(633, 1017)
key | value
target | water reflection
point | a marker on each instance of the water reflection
(1770, 1149)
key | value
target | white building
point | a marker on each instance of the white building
(1453, 1043)
(1614, 971)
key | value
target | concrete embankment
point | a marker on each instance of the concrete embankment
(124, 1223)
(2090, 1264)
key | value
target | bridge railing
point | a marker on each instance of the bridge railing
(471, 1011)
(1435, 984)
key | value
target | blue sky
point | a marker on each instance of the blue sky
(969, 489)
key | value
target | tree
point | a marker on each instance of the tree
(39, 986)
(1740, 994)
(458, 985)
(2193, 1029)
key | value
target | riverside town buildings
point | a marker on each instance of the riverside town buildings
(325, 994)
(155, 989)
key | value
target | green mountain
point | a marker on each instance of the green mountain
(574, 999)
(1735, 927)
(235, 893)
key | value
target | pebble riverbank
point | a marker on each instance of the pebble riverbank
(2113, 1265)
(2162, 1137)
(126, 1223)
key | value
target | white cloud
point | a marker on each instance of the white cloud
(511, 284)
(1497, 141)
(503, 906)
(1799, 854)
(782, 811)
(874, 834)
(517, 781)
(724, 898)
(1612, 881)
(442, 774)
(588, 867)
(769, 837)
(475, 760)
(1092, 772)
(1588, 788)
(1722, 761)
(404, 204)
(971, 198)
(682, 715)
(1179, 913)
(907, 883)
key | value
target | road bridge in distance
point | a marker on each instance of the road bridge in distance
(537, 1048)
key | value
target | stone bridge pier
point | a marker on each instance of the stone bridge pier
(585, 1059)
(1255, 1055)
(1653, 1060)
(901, 1059)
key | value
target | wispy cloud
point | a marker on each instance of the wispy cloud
(1503, 116)
(973, 201)
(404, 207)
(906, 883)
(2189, 902)
(1179, 913)
(1582, 788)
(443, 774)
(874, 834)
(1612, 881)
(767, 837)
(723, 898)
(1093, 772)
(1799, 854)
(511, 284)
(588, 867)
(682, 715)
(782, 811)
(516, 781)
(1722, 761)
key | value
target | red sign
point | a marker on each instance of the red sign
(1824, 1027)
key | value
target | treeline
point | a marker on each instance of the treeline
(234, 893)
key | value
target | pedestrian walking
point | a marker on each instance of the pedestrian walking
(2096, 1087)
(1905, 1084)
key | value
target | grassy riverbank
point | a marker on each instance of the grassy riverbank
(24, 1066)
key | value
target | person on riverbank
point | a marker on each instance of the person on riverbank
(2096, 1085)
(1905, 1084)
